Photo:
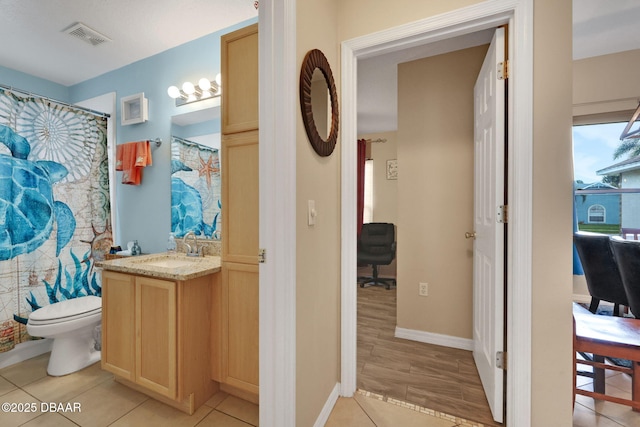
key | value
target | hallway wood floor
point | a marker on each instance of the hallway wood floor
(440, 378)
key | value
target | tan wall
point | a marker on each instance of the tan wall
(360, 17)
(580, 289)
(385, 191)
(552, 264)
(607, 83)
(318, 265)
(318, 283)
(435, 191)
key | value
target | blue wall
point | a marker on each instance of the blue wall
(143, 212)
(35, 85)
(611, 203)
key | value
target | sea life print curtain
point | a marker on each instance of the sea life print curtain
(195, 188)
(54, 207)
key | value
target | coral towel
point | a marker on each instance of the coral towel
(131, 157)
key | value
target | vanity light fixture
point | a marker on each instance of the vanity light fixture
(190, 93)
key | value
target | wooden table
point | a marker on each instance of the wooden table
(607, 336)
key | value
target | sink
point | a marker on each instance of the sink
(168, 263)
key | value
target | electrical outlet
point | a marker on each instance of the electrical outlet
(423, 289)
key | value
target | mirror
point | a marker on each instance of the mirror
(320, 103)
(195, 174)
(319, 111)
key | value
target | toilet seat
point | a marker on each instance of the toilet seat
(68, 310)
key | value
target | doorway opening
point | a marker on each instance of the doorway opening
(448, 26)
(435, 152)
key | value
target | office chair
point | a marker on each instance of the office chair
(376, 246)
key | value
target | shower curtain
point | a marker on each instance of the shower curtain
(54, 207)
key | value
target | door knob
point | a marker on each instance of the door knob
(470, 235)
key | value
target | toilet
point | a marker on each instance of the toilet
(71, 324)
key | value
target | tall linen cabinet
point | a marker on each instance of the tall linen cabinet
(238, 298)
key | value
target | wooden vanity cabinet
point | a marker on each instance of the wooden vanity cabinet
(240, 327)
(237, 369)
(118, 324)
(155, 336)
(239, 55)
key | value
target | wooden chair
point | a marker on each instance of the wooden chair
(633, 232)
(627, 256)
(607, 336)
(600, 270)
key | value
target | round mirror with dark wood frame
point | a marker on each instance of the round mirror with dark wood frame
(315, 60)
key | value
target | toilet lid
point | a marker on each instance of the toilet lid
(68, 309)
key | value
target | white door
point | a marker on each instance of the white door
(488, 248)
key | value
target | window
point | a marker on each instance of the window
(368, 192)
(597, 214)
(602, 182)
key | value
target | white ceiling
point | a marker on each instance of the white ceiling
(599, 27)
(33, 41)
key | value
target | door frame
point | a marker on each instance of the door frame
(277, 133)
(519, 15)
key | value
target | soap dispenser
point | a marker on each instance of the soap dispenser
(135, 249)
(171, 244)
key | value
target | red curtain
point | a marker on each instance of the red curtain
(362, 147)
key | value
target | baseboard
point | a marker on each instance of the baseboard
(433, 338)
(583, 299)
(24, 351)
(328, 407)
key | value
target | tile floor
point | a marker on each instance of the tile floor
(104, 402)
(364, 410)
(590, 413)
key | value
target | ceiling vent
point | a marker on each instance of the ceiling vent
(86, 34)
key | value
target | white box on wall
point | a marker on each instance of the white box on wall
(134, 109)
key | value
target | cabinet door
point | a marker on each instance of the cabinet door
(118, 328)
(240, 202)
(240, 328)
(156, 335)
(240, 80)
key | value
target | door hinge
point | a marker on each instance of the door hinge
(262, 256)
(503, 70)
(502, 216)
(501, 360)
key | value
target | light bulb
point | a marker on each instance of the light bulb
(219, 79)
(188, 88)
(173, 92)
(204, 84)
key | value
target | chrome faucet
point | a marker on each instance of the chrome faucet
(192, 250)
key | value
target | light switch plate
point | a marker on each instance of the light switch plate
(311, 212)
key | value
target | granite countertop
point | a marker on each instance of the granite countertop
(164, 265)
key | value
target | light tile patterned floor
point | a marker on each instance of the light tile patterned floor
(104, 402)
(589, 412)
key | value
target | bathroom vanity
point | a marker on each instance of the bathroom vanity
(156, 326)
(181, 328)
